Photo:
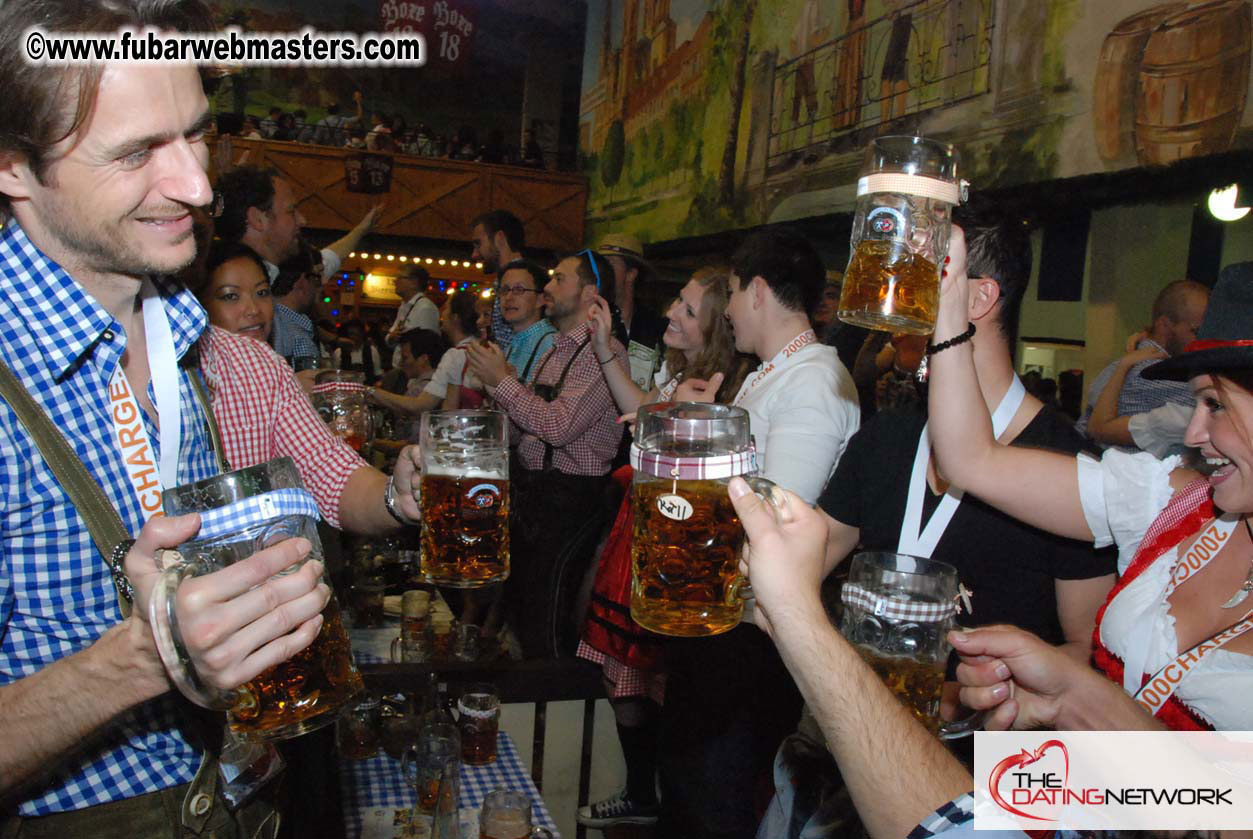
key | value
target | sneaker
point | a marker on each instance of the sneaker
(617, 809)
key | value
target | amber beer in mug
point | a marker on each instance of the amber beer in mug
(905, 194)
(686, 539)
(898, 611)
(465, 498)
(686, 570)
(241, 513)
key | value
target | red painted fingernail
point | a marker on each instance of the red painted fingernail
(947, 260)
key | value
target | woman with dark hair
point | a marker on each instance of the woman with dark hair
(1174, 630)
(234, 288)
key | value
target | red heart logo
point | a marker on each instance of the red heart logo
(1025, 758)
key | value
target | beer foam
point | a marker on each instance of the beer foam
(467, 473)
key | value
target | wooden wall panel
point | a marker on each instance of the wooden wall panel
(430, 197)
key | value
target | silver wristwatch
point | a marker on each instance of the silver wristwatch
(389, 501)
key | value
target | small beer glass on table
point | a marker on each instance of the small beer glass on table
(478, 718)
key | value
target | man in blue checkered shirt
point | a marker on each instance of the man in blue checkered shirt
(98, 172)
(1176, 315)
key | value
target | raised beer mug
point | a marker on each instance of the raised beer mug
(339, 397)
(242, 512)
(898, 611)
(905, 195)
(685, 548)
(464, 498)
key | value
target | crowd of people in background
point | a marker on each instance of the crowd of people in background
(113, 278)
(383, 132)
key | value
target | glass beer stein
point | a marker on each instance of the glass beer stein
(905, 194)
(339, 396)
(898, 611)
(241, 513)
(465, 498)
(685, 547)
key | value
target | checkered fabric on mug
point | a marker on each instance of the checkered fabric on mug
(694, 468)
(896, 606)
(256, 510)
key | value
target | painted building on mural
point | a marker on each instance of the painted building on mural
(739, 112)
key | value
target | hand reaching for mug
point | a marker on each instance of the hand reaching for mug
(406, 476)
(241, 620)
(1014, 675)
(784, 558)
(699, 390)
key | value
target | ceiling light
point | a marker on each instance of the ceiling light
(1222, 204)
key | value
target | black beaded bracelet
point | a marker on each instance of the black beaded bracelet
(116, 564)
(607, 360)
(932, 349)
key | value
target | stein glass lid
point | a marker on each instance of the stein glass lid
(692, 429)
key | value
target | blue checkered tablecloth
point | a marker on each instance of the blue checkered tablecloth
(377, 782)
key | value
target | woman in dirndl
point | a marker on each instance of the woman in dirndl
(700, 359)
(1174, 631)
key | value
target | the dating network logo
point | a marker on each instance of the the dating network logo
(1029, 788)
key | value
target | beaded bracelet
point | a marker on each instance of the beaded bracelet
(932, 349)
(607, 360)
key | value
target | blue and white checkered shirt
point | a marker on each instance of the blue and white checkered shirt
(56, 593)
(529, 346)
(1138, 395)
(293, 334)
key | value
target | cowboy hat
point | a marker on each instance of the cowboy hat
(1225, 339)
(621, 244)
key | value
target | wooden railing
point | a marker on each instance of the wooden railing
(432, 198)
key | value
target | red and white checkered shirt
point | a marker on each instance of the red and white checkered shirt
(263, 413)
(581, 424)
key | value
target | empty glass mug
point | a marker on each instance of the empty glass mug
(898, 611)
(465, 498)
(339, 396)
(905, 195)
(685, 547)
(242, 512)
(506, 814)
(432, 766)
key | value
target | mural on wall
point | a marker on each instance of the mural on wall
(705, 115)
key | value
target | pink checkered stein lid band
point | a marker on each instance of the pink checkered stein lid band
(338, 387)
(694, 468)
(896, 608)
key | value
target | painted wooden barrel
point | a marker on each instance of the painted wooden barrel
(1193, 82)
(1113, 95)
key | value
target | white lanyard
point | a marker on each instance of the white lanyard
(1162, 685)
(146, 476)
(914, 539)
(1205, 548)
(794, 346)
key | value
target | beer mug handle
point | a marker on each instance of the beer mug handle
(769, 492)
(169, 641)
(957, 729)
